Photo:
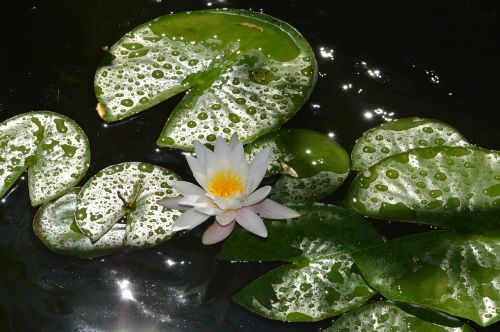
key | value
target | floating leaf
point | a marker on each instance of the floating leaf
(402, 135)
(54, 226)
(313, 165)
(246, 73)
(389, 316)
(52, 147)
(452, 187)
(456, 273)
(129, 189)
(320, 280)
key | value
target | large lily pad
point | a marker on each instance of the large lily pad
(246, 73)
(319, 280)
(132, 190)
(456, 273)
(52, 147)
(452, 187)
(402, 135)
(54, 226)
(389, 316)
(312, 164)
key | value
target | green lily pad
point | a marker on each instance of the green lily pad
(313, 165)
(456, 273)
(54, 226)
(319, 280)
(129, 189)
(52, 147)
(452, 187)
(402, 135)
(246, 73)
(389, 316)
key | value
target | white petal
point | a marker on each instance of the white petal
(272, 210)
(237, 152)
(196, 165)
(187, 188)
(189, 220)
(201, 179)
(257, 170)
(221, 149)
(216, 233)
(258, 195)
(206, 206)
(200, 151)
(251, 222)
(230, 203)
(189, 200)
(226, 217)
(172, 203)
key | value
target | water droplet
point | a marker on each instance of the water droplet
(392, 174)
(440, 176)
(157, 74)
(127, 102)
(369, 149)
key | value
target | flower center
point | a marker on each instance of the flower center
(225, 184)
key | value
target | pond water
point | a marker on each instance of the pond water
(376, 62)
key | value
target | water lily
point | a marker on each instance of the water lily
(228, 191)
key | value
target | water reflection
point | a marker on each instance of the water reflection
(326, 52)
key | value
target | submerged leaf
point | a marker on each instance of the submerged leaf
(246, 73)
(129, 189)
(402, 135)
(456, 273)
(319, 280)
(312, 164)
(452, 187)
(389, 316)
(54, 226)
(52, 147)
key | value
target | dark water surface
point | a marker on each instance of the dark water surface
(377, 61)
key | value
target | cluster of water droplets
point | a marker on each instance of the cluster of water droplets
(100, 203)
(53, 148)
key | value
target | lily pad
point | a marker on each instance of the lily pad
(54, 226)
(246, 73)
(456, 273)
(132, 190)
(312, 164)
(52, 147)
(319, 280)
(390, 316)
(452, 187)
(402, 135)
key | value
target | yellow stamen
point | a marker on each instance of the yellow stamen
(225, 184)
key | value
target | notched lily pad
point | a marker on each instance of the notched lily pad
(390, 316)
(52, 147)
(456, 273)
(54, 226)
(312, 164)
(319, 280)
(129, 189)
(452, 187)
(402, 135)
(246, 73)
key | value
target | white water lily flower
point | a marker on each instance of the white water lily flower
(228, 192)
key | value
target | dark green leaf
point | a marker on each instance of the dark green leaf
(402, 135)
(246, 73)
(456, 273)
(452, 187)
(388, 316)
(320, 280)
(52, 147)
(313, 165)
